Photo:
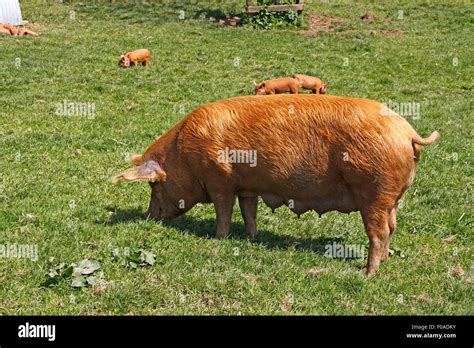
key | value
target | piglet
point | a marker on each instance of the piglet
(313, 83)
(277, 86)
(135, 57)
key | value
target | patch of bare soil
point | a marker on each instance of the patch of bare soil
(326, 24)
(319, 24)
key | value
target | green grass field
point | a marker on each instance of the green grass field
(56, 194)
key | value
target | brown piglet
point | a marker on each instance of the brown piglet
(135, 57)
(313, 83)
(277, 86)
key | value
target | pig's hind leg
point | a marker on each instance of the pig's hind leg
(392, 225)
(376, 222)
(248, 208)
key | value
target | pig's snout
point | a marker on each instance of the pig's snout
(154, 211)
(157, 212)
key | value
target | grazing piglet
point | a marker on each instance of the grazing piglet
(277, 86)
(135, 57)
(329, 153)
(313, 83)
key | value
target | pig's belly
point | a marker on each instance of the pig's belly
(321, 192)
(340, 200)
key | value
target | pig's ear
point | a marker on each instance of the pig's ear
(149, 171)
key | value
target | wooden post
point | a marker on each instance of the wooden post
(252, 8)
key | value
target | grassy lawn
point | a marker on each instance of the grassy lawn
(56, 194)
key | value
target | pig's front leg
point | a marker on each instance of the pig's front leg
(223, 203)
(248, 208)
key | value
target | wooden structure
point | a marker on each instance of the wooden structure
(253, 8)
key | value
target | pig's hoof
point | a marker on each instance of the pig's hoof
(221, 236)
(368, 272)
(251, 233)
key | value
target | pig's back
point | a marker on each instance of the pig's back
(142, 53)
